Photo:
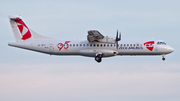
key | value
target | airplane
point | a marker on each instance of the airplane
(96, 45)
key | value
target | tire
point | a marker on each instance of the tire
(98, 59)
(163, 59)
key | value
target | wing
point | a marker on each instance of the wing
(94, 35)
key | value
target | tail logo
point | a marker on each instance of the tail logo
(149, 45)
(24, 30)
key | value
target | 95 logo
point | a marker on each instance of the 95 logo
(65, 45)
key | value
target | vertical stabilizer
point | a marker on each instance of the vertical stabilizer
(21, 30)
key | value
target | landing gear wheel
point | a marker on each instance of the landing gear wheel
(98, 58)
(163, 59)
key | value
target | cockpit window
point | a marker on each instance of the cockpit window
(161, 43)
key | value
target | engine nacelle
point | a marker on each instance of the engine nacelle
(107, 40)
(94, 35)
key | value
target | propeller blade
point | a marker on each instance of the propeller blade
(117, 39)
(120, 36)
(116, 44)
(117, 36)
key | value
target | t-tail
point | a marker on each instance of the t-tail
(22, 32)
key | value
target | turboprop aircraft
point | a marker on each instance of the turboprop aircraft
(96, 45)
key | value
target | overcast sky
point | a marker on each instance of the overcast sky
(32, 76)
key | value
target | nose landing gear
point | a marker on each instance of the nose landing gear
(163, 57)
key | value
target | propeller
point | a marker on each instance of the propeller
(118, 39)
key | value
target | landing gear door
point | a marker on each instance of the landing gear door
(51, 48)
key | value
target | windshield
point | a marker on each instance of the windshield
(161, 43)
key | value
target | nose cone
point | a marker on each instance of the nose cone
(171, 49)
(165, 49)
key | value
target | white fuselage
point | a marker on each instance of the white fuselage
(91, 49)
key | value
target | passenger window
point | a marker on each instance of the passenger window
(84, 45)
(134, 45)
(94, 45)
(101, 45)
(77, 45)
(124, 45)
(104, 45)
(107, 45)
(90, 45)
(121, 45)
(127, 45)
(111, 45)
(137, 44)
(60, 45)
(131, 45)
(80, 45)
(97, 45)
(73, 45)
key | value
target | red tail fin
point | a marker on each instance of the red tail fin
(22, 32)
(25, 32)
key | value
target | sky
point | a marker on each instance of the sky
(26, 75)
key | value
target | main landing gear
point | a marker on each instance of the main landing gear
(98, 58)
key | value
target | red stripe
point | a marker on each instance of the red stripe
(20, 28)
(27, 35)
